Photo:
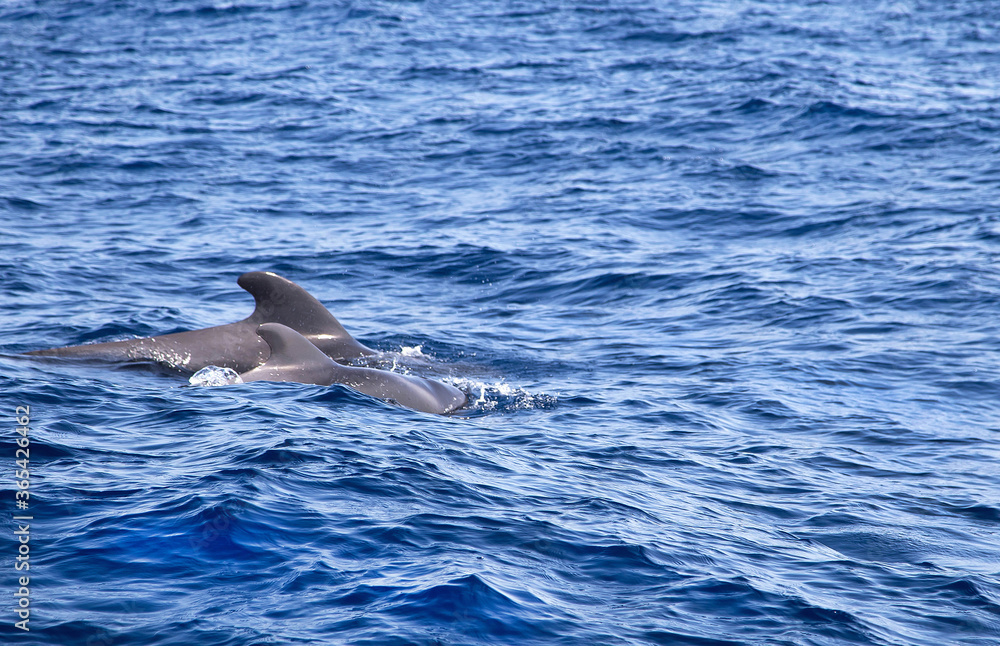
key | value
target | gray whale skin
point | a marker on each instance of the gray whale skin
(294, 358)
(235, 345)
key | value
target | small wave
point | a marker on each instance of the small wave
(142, 165)
(755, 105)
(499, 396)
(671, 37)
(22, 204)
(831, 109)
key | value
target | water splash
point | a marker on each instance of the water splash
(415, 351)
(499, 396)
(215, 376)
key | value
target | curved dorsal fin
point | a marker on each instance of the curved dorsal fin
(293, 358)
(289, 348)
(279, 300)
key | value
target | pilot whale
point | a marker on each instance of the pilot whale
(294, 358)
(234, 345)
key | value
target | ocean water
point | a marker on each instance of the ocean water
(720, 278)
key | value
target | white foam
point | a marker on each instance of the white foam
(215, 376)
(413, 351)
(499, 394)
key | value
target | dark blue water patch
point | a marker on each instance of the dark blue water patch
(985, 513)
(675, 37)
(470, 605)
(873, 546)
(22, 204)
(755, 105)
(669, 637)
(141, 166)
(719, 220)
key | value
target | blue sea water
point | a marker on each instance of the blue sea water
(721, 279)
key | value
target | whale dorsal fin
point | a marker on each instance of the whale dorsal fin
(293, 358)
(279, 300)
(289, 348)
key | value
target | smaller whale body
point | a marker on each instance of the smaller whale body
(234, 345)
(294, 358)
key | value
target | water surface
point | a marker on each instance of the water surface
(721, 278)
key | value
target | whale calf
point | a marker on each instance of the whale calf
(294, 358)
(234, 345)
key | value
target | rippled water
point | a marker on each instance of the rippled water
(721, 279)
